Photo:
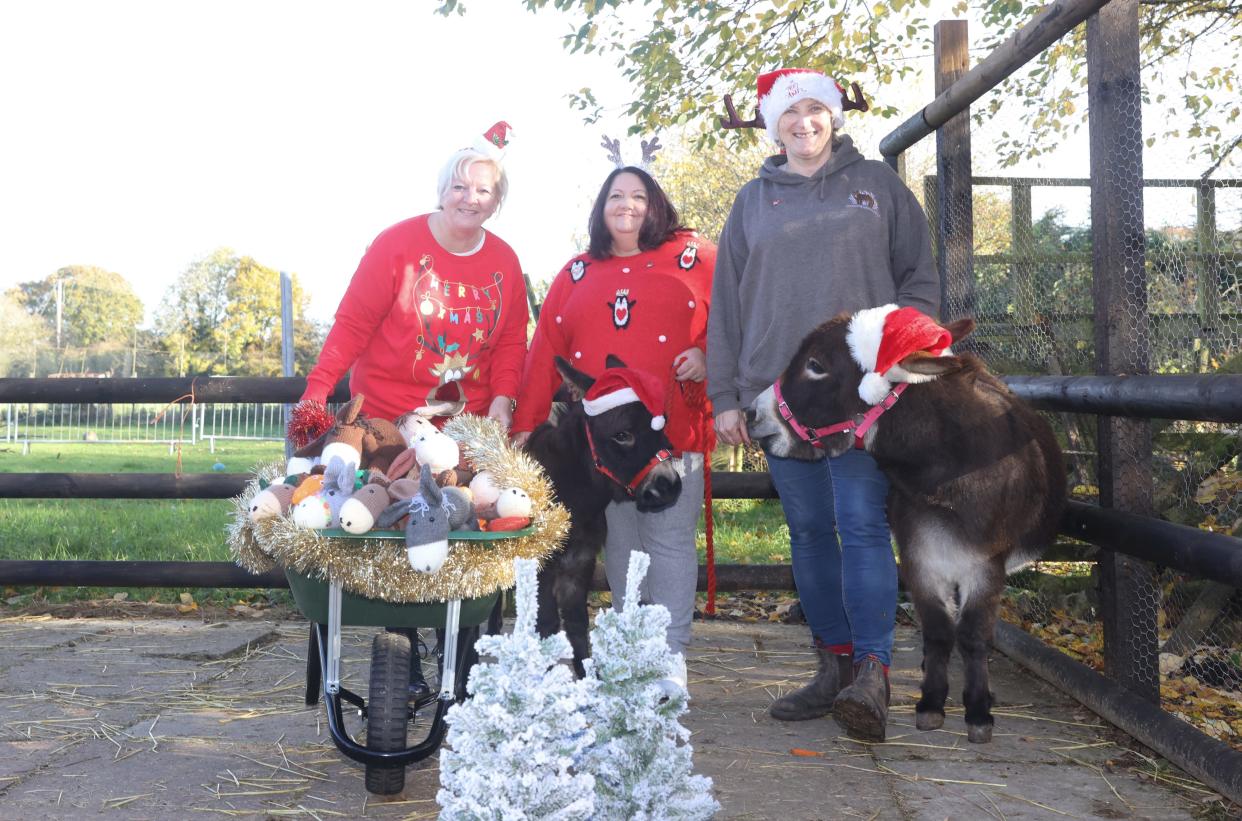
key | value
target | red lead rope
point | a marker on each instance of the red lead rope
(695, 395)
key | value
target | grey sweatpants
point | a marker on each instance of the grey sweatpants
(668, 538)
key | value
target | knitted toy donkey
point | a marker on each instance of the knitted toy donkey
(356, 438)
(432, 514)
(323, 509)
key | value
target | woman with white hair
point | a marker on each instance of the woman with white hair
(820, 231)
(436, 313)
(437, 308)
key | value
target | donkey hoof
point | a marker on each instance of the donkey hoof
(979, 733)
(929, 720)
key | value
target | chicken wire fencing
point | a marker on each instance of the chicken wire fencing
(189, 423)
(1029, 284)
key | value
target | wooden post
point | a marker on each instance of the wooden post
(1129, 596)
(955, 227)
(1207, 273)
(286, 346)
(1021, 248)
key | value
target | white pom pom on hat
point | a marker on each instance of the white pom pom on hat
(881, 337)
(620, 386)
(780, 89)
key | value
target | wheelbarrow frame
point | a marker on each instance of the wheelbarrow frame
(327, 606)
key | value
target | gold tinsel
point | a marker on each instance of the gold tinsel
(377, 568)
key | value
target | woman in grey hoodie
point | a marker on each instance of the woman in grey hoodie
(820, 231)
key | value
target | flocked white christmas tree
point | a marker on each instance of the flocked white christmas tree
(514, 746)
(534, 743)
(641, 756)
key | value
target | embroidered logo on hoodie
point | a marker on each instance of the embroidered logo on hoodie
(863, 199)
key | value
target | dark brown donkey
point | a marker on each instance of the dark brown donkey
(594, 460)
(977, 485)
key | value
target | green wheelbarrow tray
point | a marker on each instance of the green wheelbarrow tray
(311, 596)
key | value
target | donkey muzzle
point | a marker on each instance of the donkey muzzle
(659, 489)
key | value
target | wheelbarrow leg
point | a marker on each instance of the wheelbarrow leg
(496, 620)
(314, 672)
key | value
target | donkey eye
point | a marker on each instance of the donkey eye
(623, 438)
(815, 369)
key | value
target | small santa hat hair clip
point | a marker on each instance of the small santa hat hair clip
(613, 146)
(493, 142)
(621, 386)
(881, 337)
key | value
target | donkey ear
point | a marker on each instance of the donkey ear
(428, 488)
(960, 328)
(313, 448)
(392, 514)
(576, 382)
(613, 361)
(926, 364)
(349, 413)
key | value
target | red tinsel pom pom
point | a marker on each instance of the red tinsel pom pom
(308, 421)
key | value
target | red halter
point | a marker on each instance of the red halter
(859, 425)
(661, 456)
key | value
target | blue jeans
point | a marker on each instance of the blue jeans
(848, 588)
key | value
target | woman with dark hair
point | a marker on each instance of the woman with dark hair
(641, 292)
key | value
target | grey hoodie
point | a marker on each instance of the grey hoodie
(796, 251)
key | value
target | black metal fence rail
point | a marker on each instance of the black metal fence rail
(1200, 553)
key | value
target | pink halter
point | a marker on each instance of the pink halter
(859, 425)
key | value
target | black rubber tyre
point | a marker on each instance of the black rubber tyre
(387, 711)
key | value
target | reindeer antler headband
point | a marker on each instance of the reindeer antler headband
(613, 146)
(780, 89)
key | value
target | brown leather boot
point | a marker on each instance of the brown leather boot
(815, 699)
(862, 708)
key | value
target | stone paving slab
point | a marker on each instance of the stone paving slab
(159, 719)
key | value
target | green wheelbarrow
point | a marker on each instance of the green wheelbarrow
(387, 711)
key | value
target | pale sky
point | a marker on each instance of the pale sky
(138, 136)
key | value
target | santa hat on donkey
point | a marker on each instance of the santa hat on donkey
(881, 337)
(620, 386)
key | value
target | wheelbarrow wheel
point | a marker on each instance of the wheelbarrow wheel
(387, 710)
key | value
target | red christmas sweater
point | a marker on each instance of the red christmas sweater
(646, 309)
(416, 317)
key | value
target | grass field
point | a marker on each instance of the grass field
(746, 531)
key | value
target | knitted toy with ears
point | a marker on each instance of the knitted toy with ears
(323, 510)
(355, 438)
(360, 511)
(426, 531)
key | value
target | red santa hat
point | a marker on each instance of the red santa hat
(881, 337)
(780, 89)
(492, 143)
(620, 386)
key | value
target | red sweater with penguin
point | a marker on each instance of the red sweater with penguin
(416, 317)
(645, 309)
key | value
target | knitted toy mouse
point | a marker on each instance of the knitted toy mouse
(426, 531)
(323, 510)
